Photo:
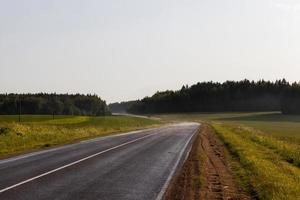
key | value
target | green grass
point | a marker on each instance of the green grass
(266, 147)
(271, 123)
(39, 131)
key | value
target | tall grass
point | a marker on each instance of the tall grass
(41, 131)
(270, 175)
(289, 151)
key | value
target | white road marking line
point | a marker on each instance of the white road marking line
(166, 185)
(73, 163)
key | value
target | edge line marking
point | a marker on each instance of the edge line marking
(74, 163)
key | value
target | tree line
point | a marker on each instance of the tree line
(50, 104)
(291, 101)
(120, 107)
(229, 96)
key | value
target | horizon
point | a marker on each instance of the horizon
(177, 89)
(128, 50)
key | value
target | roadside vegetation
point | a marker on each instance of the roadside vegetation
(270, 168)
(264, 150)
(40, 131)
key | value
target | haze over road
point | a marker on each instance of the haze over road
(137, 165)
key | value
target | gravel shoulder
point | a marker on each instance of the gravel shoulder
(206, 173)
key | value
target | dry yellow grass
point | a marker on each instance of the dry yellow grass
(271, 176)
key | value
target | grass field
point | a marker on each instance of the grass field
(272, 123)
(40, 131)
(265, 145)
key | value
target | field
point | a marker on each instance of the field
(271, 123)
(264, 150)
(40, 131)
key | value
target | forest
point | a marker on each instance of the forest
(230, 96)
(121, 107)
(58, 104)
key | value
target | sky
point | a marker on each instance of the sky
(128, 49)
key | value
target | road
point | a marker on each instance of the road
(136, 165)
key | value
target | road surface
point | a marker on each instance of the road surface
(136, 165)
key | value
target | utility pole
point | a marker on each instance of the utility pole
(20, 108)
(54, 104)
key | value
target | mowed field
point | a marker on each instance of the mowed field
(40, 131)
(263, 150)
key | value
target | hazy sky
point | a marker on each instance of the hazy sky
(127, 49)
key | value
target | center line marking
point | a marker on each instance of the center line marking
(75, 162)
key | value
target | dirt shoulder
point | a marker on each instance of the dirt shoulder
(206, 174)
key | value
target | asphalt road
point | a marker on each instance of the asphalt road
(137, 165)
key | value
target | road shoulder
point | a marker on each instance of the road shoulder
(206, 173)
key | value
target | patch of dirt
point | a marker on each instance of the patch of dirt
(205, 174)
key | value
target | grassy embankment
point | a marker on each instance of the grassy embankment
(37, 131)
(264, 149)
